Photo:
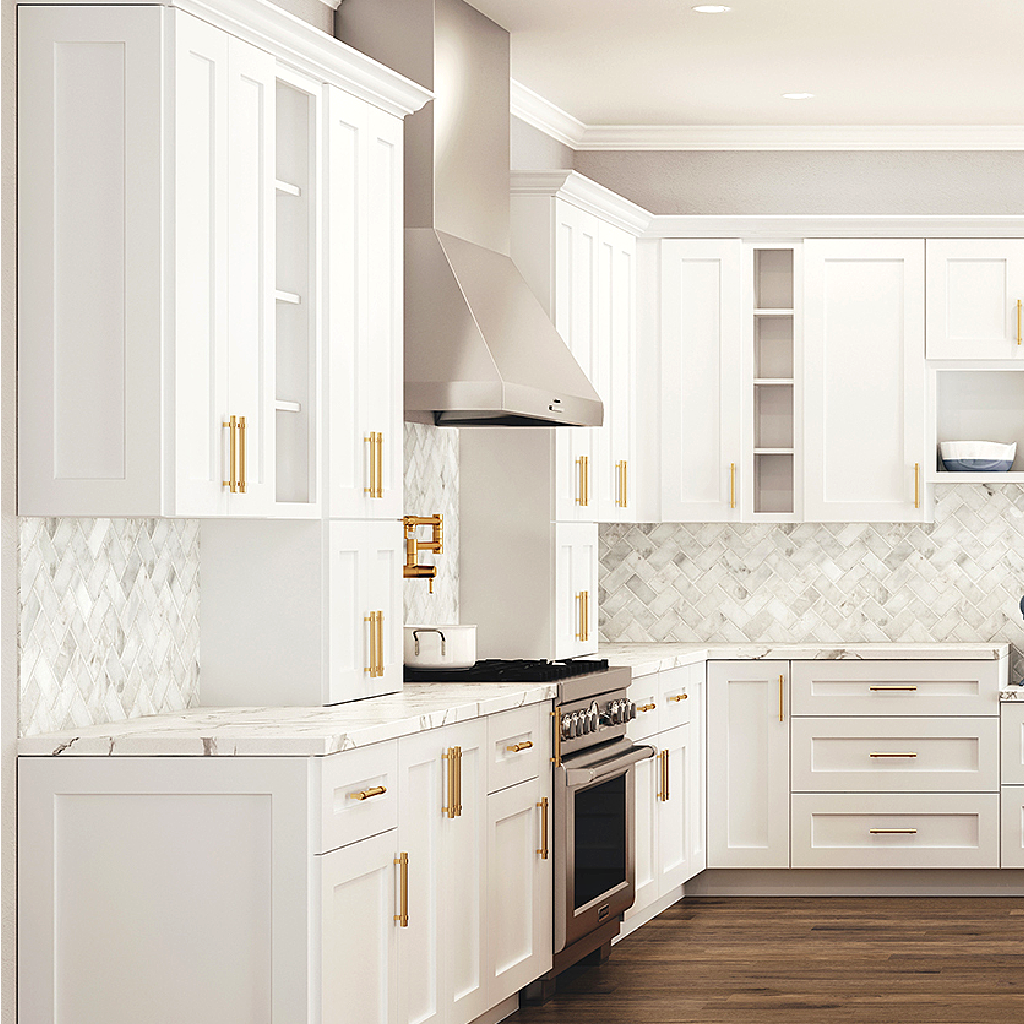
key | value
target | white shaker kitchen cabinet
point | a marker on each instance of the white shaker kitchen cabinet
(748, 790)
(975, 298)
(576, 593)
(701, 381)
(520, 830)
(328, 629)
(1011, 817)
(864, 433)
(359, 945)
(364, 309)
(147, 326)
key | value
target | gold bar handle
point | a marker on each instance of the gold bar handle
(373, 646)
(677, 697)
(241, 454)
(885, 689)
(1020, 336)
(448, 807)
(664, 775)
(402, 917)
(893, 831)
(893, 754)
(543, 851)
(586, 480)
(580, 500)
(231, 483)
(586, 616)
(556, 740)
(458, 783)
(917, 485)
(625, 484)
(370, 439)
(517, 747)
(732, 485)
(782, 682)
(646, 707)
(367, 794)
(579, 615)
(380, 465)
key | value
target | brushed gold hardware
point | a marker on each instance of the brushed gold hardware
(380, 465)
(366, 794)
(732, 485)
(458, 783)
(517, 747)
(586, 481)
(621, 499)
(663, 758)
(402, 917)
(412, 570)
(380, 643)
(579, 616)
(646, 707)
(376, 621)
(543, 805)
(1020, 336)
(232, 482)
(917, 485)
(556, 741)
(241, 454)
(585, 629)
(781, 684)
(375, 439)
(448, 807)
(884, 688)
(677, 697)
(894, 754)
(893, 831)
(581, 494)
(625, 484)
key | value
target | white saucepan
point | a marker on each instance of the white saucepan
(432, 647)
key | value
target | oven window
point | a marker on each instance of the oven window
(600, 839)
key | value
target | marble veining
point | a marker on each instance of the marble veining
(297, 731)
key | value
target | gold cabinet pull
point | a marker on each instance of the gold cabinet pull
(367, 794)
(448, 807)
(732, 485)
(585, 624)
(892, 754)
(621, 499)
(402, 917)
(517, 747)
(375, 439)
(241, 454)
(893, 831)
(1020, 336)
(677, 697)
(646, 707)
(543, 851)
(890, 688)
(579, 616)
(380, 643)
(458, 783)
(380, 465)
(376, 621)
(663, 758)
(556, 740)
(232, 482)
(782, 682)
(917, 485)
(582, 480)
(586, 480)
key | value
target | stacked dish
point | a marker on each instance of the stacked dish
(977, 456)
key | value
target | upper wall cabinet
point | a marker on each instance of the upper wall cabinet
(975, 298)
(864, 425)
(171, 232)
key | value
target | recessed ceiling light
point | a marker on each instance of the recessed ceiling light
(797, 95)
(711, 9)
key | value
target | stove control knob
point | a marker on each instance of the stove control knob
(566, 727)
(632, 710)
(585, 722)
(594, 717)
(579, 722)
(616, 712)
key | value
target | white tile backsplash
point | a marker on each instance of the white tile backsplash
(960, 579)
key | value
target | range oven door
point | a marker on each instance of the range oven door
(595, 839)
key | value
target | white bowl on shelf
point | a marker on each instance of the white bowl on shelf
(977, 456)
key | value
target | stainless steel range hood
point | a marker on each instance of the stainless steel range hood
(479, 348)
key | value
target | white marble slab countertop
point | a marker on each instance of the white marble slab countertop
(294, 732)
(645, 659)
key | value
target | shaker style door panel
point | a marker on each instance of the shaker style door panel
(975, 298)
(575, 583)
(1011, 817)
(701, 381)
(648, 776)
(864, 381)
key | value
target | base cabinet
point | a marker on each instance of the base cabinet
(1011, 816)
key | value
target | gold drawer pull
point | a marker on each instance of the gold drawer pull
(402, 917)
(677, 697)
(894, 754)
(646, 707)
(893, 688)
(365, 794)
(516, 747)
(232, 482)
(917, 485)
(543, 851)
(241, 454)
(556, 742)
(893, 831)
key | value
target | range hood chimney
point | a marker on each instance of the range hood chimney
(479, 348)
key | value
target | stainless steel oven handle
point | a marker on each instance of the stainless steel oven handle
(576, 777)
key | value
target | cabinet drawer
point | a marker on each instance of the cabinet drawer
(895, 754)
(351, 804)
(895, 830)
(1011, 817)
(645, 692)
(677, 695)
(897, 687)
(519, 743)
(1012, 730)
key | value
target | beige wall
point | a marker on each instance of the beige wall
(532, 150)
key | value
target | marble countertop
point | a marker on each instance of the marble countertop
(294, 732)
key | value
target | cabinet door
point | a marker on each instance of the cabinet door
(975, 292)
(864, 381)
(1011, 817)
(675, 766)
(701, 381)
(383, 593)
(575, 589)
(697, 687)
(359, 945)
(519, 886)
(748, 793)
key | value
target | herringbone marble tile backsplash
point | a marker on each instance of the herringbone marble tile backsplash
(960, 579)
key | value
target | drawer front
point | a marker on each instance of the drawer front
(645, 692)
(678, 688)
(895, 830)
(351, 804)
(1012, 731)
(520, 746)
(895, 755)
(1012, 824)
(897, 687)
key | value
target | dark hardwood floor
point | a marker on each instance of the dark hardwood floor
(807, 961)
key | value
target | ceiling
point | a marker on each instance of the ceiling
(868, 62)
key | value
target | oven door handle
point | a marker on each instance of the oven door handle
(576, 777)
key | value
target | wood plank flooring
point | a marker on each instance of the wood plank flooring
(868, 960)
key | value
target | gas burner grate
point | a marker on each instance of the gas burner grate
(497, 670)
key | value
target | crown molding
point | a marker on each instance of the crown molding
(587, 195)
(532, 108)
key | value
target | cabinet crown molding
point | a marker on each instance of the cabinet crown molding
(585, 194)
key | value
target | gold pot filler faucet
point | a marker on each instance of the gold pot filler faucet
(412, 570)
